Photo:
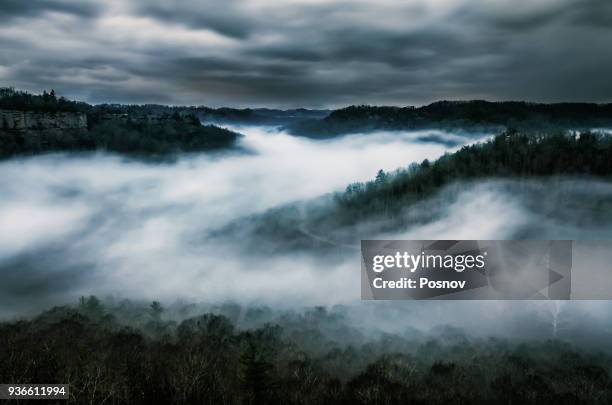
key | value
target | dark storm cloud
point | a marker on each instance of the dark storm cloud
(310, 53)
(226, 18)
(30, 8)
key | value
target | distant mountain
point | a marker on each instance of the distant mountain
(257, 116)
(474, 115)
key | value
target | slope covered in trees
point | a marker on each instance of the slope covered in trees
(131, 354)
(508, 155)
(50, 123)
(388, 202)
(459, 115)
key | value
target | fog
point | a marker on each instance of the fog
(73, 225)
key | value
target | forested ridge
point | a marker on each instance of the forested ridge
(135, 130)
(257, 116)
(133, 354)
(389, 201)
(476, 115)
(510, 154)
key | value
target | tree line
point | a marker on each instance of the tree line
(476, 115)
(308, 358)
(509, 155)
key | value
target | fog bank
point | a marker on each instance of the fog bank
(100, 224)
(86, 224)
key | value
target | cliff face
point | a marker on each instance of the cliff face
(131, 132)
(29, 121)
(39, 131)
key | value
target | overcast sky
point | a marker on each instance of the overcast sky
(311, 53)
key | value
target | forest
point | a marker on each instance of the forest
(133, 130)
(133, 353)
(476, 115)
(11, 99)
(511, 154)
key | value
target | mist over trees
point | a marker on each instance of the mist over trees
(511, 154)
(157, 129)
(130, 353)
(388, 202)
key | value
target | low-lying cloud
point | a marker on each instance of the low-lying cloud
(136, 229)
(74, 225)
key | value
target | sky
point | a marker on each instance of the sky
(308, 53)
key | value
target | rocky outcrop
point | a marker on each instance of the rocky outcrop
(39, 131)
(30, 121)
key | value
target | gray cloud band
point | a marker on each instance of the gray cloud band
(289, 54)
(484, 270)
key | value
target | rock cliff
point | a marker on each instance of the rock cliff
(30, 121)
(39, 131)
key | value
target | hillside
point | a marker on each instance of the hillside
(314, 356)
(390, 201)
(459, 115)
(131, 353)
(31, 124)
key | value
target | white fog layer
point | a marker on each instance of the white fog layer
(100, 224)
